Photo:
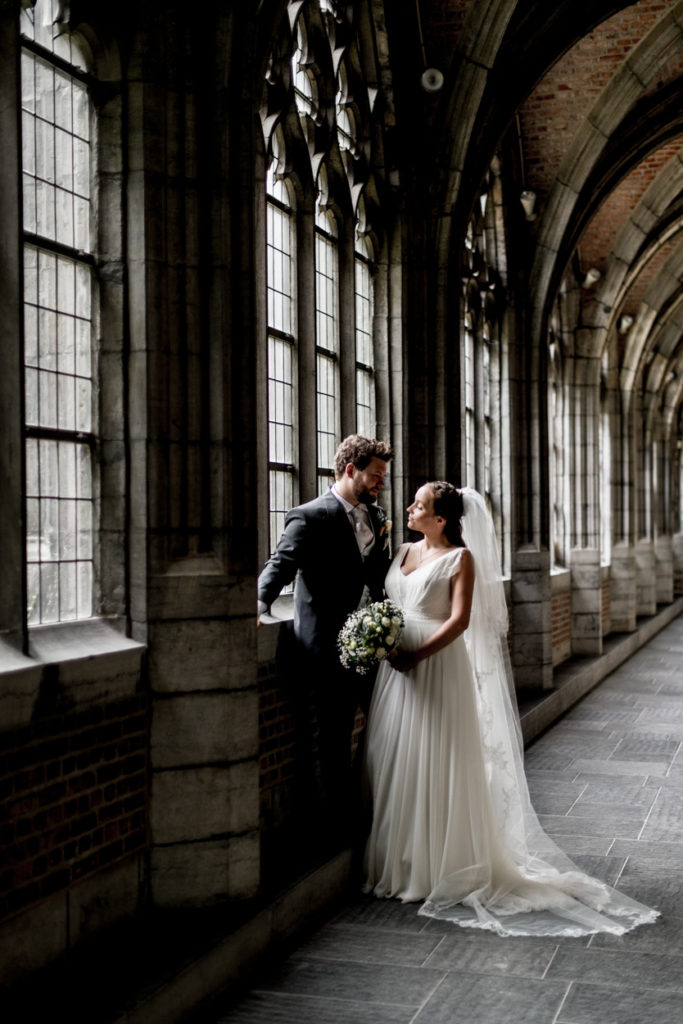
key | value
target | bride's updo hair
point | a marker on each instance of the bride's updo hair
(449, 505)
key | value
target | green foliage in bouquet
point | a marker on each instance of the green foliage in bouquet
(369, 634)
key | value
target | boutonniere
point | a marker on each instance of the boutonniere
(382, 521)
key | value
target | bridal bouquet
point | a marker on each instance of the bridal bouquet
(369, 634)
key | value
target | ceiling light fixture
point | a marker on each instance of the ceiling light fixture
(592, 277)
(528, 201)
(431, 79)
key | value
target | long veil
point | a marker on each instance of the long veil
(530, 886)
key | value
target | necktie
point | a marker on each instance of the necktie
(363, 530)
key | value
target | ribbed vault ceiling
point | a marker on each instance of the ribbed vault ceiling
(595, 90)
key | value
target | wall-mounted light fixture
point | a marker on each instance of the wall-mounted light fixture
(625, 322)
(592, 277)
(431, 80)
(528, 201)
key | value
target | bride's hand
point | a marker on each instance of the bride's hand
(402, 660)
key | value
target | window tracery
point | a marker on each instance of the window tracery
(317, 125)
(557, 413)
(482, 353)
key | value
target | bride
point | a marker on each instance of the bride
(453, 824)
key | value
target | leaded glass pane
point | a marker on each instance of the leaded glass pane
(57, 324)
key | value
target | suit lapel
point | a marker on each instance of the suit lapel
(335, 509)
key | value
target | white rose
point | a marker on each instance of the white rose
(352, 645)
(381, 653)
(386, 622)
(396, 621)
(390, 639)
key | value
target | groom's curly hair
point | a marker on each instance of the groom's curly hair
(449, 505)
(360, 450)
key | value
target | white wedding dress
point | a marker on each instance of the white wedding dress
(453, 825)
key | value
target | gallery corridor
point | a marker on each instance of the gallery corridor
(607, 780)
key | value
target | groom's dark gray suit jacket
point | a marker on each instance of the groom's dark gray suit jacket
(318, 549)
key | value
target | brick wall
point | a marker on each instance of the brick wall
(561, 625)
(73, 790)
(605, 594)
(278, 742)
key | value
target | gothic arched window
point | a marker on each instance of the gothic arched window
(282, 351)
(365, 373)
(557, 426)
(327, 343)
(323, 171)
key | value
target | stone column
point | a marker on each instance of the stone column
(193, 441)
(531, 611)
(586, 601)
(677, 546)
(646, 582)
(663, 524)
(585, 553)
(623, 602)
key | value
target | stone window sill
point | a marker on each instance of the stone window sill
(67, 664)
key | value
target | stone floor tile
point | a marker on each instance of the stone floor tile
(616, 782)
(668, 713)
(618, 969)
(579, 744)
(574, 846)
(368, 945)
(595, 1004)
(283, 1008)
(539, 784)
(463, 950)
(664, 936)
(542, 760)
(584, 727)
(552, 803)
(574, 824)
(656, 886)
(653, 854)
(364, 983)
(665, 820)
(619, 811)
(391, 915)
(542, 775)
(642, 768)
(633, 683)
(652, 745)
(607, 869)
(672, 780)
(654, 761)
(598, 713)
(671, 688)
(596, 793)
(474, 999)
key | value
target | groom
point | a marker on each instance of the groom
(337, 549)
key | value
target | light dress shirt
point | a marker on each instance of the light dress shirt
(359, 517)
